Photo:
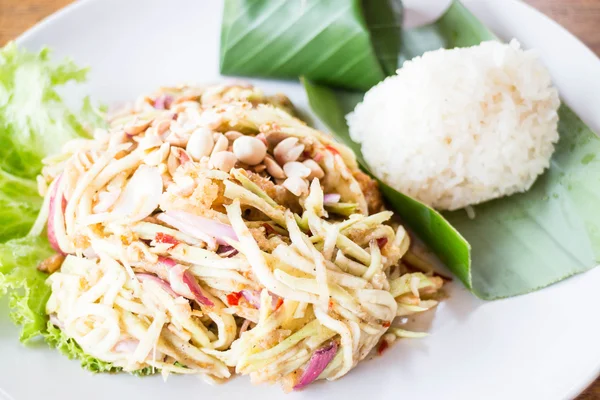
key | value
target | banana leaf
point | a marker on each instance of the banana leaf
(328, 41)
(516, 244)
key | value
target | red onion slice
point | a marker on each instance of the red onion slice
(176, 273)
(55, 205)
(245, 326)
(189, 280)
(168, 262)
(226, 251)
(183, 282)
(317, 364)
(142, 277)
(332, 198)
(212, 228)
(252, 297)
(187, 228)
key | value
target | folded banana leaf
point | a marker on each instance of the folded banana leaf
(515, 244)
(328, 41)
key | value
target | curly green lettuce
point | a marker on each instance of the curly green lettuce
(24, 284)
(34, 120)
(19, 205)
(34, 123)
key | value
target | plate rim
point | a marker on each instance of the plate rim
(41, 24)
(576, 388)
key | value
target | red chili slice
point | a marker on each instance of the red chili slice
(278, 303)
(383, 346)
(332, 149)
(269, 230)
(233, 299)
(381, 242)
(165, 238)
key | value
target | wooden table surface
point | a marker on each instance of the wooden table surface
(581, 17)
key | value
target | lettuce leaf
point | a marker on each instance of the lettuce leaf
(34, 123)
(24, 284)
(67, 346)
(19, 205)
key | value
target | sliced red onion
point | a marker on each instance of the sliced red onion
(245, 326)
(168, 262)
(189, 280)
(142, 277)
(55, 205)
(163, 102)
(317, 363)
(141, 194)
(252, 297)
(176, 273)
(226, 251)
(187, 228)
(183, 282)
(210, 227)
(332, 198)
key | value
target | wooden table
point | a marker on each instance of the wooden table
(581, 17)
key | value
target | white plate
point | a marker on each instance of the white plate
(540, 346)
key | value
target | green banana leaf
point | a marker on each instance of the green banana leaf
(517, 244)
(312, 38)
